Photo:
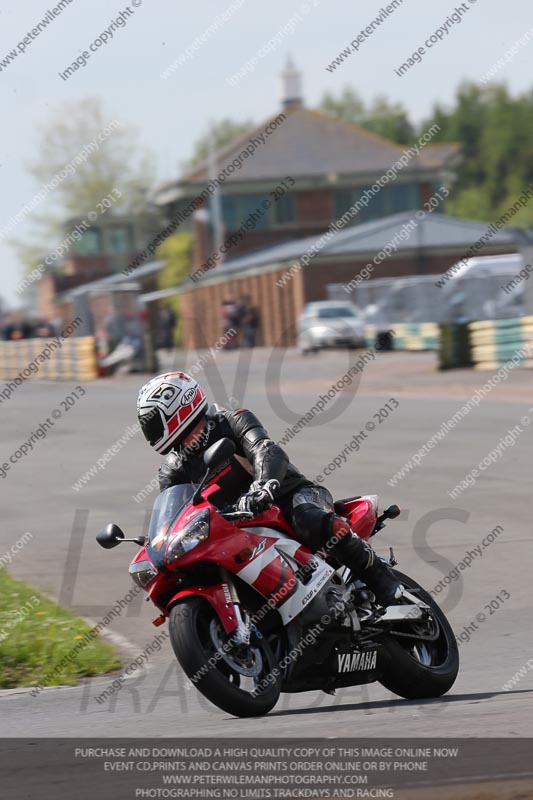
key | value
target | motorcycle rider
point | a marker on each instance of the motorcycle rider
(175, 418)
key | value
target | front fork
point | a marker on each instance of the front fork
(243, 629)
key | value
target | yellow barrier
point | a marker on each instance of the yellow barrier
(496, 342)
(410, 335)
(68, 359)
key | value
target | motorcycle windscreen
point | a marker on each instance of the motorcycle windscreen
(231, 482)
(169, 504)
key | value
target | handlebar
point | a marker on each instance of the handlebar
(231, 514)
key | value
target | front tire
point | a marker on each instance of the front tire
(197, 636)
(418, 669)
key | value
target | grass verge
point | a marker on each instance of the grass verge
(42, 644)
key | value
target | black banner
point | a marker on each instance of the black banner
(124, 769)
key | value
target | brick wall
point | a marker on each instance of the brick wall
(314, 212)
(87, 267)
(315, 207)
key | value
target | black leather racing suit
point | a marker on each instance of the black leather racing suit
(308, 507)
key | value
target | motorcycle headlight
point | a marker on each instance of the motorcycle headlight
(193, 534)
(142, 572)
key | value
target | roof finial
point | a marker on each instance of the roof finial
(292, 85)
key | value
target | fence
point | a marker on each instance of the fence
(417, 298)
(74, 359)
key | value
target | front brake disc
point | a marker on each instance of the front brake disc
(247, 662)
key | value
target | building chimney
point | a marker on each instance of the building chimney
(292, 86)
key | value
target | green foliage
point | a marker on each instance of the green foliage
(36, 635)
(382, 117)
(118, 162)
(494, 130)
(469, 203)
(492, 127)
(347, 106)
(176, 252)
(389, 120)
(223, 132)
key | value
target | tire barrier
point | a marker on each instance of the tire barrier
(495, 342)
(408, 336)
(74, 359)
(454, 350)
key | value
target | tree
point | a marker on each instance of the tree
(176, 252)
(223, 132)
(118, 161)
(348, 106)
(85, 155)
(494, 130)
(387, 119)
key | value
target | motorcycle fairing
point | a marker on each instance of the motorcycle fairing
(272, 573)
(218, 596)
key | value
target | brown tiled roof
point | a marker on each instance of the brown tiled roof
(309, 143)
(434, 156)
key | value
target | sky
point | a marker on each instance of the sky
(172, 113)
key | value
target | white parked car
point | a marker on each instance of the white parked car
(330, 323)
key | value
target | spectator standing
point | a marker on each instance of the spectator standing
(250, 322)
(230, 320)
(167, 325)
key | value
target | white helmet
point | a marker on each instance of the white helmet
(168, 408)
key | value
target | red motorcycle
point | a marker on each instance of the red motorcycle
(253, 613)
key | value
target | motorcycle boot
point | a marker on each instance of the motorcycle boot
(356, 554)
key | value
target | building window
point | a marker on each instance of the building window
(344, 199)
(284, 210)
(378, 206)
(120, 240)
(403, 197)
(347, 198)
(388, 200)
(236, 209)
(90, 243)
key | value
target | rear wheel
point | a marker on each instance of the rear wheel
(240, 679)
(424, 667)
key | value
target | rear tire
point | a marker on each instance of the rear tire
(407, 675)
(190, 626)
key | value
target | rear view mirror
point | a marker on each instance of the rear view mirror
(214, 456)
(110, 537)
(218, 453)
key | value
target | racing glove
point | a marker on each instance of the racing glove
(259, 497)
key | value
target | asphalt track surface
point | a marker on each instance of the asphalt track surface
(432, 535)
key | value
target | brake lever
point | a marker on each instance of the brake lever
(229, 515)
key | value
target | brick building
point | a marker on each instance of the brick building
(331, 164)
(280, 286)
(93, 253)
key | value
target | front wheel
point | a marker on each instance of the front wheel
(240, 679)
(421, 667)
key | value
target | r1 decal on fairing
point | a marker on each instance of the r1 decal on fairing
(271, 573)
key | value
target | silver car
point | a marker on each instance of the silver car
(330, 323)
